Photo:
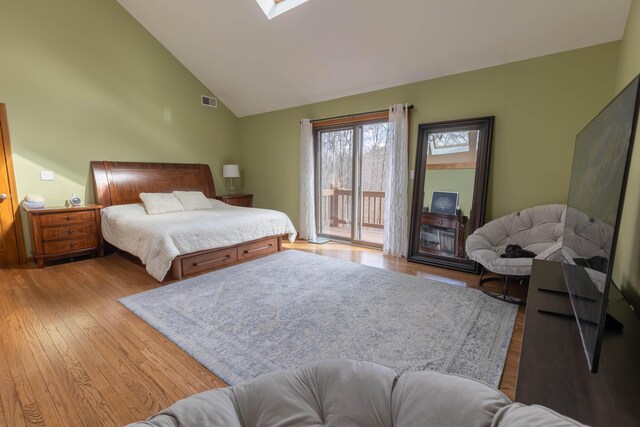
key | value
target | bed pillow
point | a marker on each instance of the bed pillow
(159, 203)
(193, 200)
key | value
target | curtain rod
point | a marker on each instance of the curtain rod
(410, 107)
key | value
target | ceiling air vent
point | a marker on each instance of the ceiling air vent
(209, 101)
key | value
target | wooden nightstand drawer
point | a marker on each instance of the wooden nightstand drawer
(69, 232)
(244, 200)
(239, 202)
(64, 218)
(440, 220)
(259, 248)
(62, 246)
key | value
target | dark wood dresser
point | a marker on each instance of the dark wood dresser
(553, 367)
(244, 200)
(59, 233)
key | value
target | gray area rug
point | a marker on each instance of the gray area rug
(292, 308)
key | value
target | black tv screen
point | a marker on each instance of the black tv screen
(598, 180)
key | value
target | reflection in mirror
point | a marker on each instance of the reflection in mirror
(451, 167)
(449, 197)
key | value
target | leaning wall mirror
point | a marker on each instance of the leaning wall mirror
(449, 197)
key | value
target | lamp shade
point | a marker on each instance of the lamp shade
(230, 171)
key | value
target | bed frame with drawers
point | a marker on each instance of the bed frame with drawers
(119, 183)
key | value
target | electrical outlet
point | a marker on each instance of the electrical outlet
(46, 175)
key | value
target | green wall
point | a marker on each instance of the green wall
(627, 263)
(82, 81)
(539, 104)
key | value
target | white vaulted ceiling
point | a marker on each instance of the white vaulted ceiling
(325, 49)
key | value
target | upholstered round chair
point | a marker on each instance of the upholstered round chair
(347, 393)
(537, 229)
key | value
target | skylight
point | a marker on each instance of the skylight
(273, 8)
(450, 142)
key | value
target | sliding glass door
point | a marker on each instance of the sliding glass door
(372, 144)
(350, 181)
(335, 155)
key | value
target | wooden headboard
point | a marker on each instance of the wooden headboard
(120, 183)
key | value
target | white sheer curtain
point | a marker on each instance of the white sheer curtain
(307, 226)
(396, 180)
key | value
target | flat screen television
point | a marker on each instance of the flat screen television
(596, 195)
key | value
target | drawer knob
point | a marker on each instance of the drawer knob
(71, 245)
(70, 232)
(69, 218)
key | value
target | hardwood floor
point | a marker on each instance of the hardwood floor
(70, 354)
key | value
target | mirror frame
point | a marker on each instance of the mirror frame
(476, 216)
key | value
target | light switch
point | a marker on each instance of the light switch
(412, 174)
(46, 175)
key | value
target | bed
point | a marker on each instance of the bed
(181, 244)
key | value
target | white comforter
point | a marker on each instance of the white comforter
(158, 239)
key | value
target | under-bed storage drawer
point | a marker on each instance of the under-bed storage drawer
(259, 248)
(208, 261)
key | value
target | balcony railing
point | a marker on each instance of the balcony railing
(337, 204)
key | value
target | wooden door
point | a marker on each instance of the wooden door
(11, 239)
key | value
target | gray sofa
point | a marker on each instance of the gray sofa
(349, 393)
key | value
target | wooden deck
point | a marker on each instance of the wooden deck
(71, 355)
(369, 235)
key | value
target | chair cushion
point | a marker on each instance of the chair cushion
(350, 393)
(327, 393)
(210, 408)
(538, 229)
(519, 415)
(435, 399)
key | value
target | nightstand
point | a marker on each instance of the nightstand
(245, 200)
(58, 233)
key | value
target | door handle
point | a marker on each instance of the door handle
(3, 197)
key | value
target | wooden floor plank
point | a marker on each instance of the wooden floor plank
(156, 349)
(108, 366)
(61, 383)
(112, 390)
(32, 332)
(41, 393)
(17, 356)
(76, 361)
(3, 420)
(151, 391)
(8, 395)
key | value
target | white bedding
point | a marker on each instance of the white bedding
(158, 239)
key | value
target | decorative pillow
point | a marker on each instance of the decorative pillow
(158, 203)
(193, 200)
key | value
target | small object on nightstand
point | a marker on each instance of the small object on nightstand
(33, 201)
(59, 233)
(245, 200)
(75, 200)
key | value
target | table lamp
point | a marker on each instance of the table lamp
(230, 171)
